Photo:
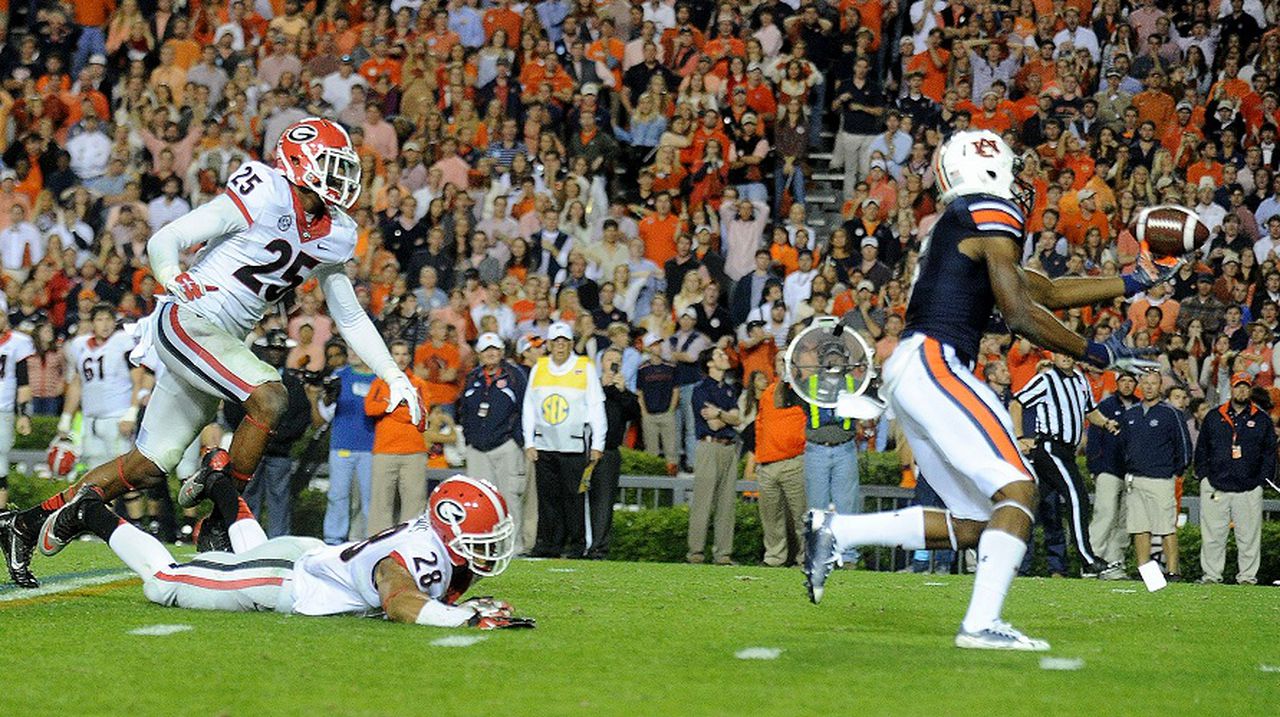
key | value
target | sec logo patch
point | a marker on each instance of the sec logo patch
(555, 409)
(284, 223)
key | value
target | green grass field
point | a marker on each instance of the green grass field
(648, 639)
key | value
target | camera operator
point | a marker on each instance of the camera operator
(350, 442)
(621, 409)
(271, 480)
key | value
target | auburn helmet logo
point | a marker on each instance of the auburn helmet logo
(986, 147)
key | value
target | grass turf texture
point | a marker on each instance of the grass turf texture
(627, 639)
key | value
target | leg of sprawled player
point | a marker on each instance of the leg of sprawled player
(263, 410)
(234, 514)
(141, 552)
(1000, 552)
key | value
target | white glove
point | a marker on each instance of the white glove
(403, 391)
(488, 607)
(64, 424)
(184, 288)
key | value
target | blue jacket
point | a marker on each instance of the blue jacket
(352, 427)
(1252, 431)
(1102, 450)
(1154, 442)
(489, 407)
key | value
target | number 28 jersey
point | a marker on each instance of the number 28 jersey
(339, 579)
(250, 270)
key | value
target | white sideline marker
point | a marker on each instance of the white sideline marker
(758, 653)
(935, 585)
(1124, 591)
(457, 641)
(1067, 664)
(562, 570)
(160, 630)
(1269, 668)
(1152, 576)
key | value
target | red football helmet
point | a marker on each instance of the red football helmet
(471, 517)
(317, 154)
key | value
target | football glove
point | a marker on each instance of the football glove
(501, 623)
(1147, 272)
(184, 288)
(403, 391)
(487, 606)
(1113, 353)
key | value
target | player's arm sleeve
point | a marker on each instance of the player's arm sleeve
(354, 324)
(216, 218)
(402, 601)
(21, 373)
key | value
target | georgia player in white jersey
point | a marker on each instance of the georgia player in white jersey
(273, 228)
(15, 395)
(104, 386)
(414, 572)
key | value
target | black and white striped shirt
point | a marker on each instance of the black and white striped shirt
(1060, 401)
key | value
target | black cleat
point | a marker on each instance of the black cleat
(66, 522)
(212, 535)
(17, 550)
(213, 464)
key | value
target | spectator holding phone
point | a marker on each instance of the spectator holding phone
(621, 409)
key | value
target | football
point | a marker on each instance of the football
(1169, 230)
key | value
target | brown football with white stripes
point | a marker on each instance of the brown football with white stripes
(1169, 230)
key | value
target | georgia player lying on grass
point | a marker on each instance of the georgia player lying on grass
(272, 229)
(414, 572)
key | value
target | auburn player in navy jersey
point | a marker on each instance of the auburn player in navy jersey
(959, 431)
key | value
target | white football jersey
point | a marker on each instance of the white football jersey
(104, 371)
(338, 579)
(250, 270)
(15, 346)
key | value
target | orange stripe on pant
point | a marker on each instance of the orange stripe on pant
(212, 584)
(998, 216)
(976, 407)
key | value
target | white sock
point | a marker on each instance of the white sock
(904, 528)
(999, 555)
(246, 535)
(141, 552)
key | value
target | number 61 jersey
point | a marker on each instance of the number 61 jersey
(339, 579)
(253, 269)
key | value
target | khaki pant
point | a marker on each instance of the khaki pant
(1219, 509)
(782, 500)
(504, 468)
(660, 434)
(1107, 533)
(1152, 506)
(715, 472)
(403, 475)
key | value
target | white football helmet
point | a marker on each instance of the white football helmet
(980, 162)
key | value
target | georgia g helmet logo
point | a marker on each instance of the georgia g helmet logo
(450, 512)
(303, 133)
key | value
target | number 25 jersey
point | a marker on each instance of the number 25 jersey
(250, 270)
(339, 579)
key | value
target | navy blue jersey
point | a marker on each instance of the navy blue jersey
(951, 297)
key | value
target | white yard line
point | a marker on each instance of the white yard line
(66, 585)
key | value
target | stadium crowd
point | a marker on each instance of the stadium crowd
(638, 170)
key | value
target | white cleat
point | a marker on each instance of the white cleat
(820, 553)
(1000, 636)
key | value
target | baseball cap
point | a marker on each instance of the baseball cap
(879, 164)
(1204, 277)
(870, 200)
(866, 284)
(489, 340)
(559, 330)
(8, 174)
(346, 58)
(1085, 193)
(749, 117)
(651, 339)
(690, 312)
(97, 59)
(870, 241)
(1184, 105)
(1240, 377)
(754, 323)
(528, 341)
(1229, 257)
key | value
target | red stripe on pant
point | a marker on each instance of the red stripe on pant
(212, 584)
(205, 356)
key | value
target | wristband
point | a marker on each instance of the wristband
(130, 415)
(64, 423)
(24, 409)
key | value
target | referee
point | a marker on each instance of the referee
(1062, 401)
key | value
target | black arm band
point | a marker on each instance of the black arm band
(24, 409)
(20, 373)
